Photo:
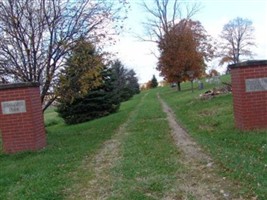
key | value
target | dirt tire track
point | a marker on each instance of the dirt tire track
(100, 186)
(199, 179)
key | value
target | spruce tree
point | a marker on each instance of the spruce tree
(86, 97)
(126, 81)
(82, 71)
(154, 82)
(97, 103)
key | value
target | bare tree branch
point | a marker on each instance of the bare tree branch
(36, 35)
(164, 14)
(237, 36)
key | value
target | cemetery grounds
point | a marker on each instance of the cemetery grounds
(141, 152)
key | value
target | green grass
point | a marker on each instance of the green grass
(1, 145)
(51, 117)
(45, 174)
(150, 159)
(242, 156)
(147, 169)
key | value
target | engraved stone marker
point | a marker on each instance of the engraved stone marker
(13, 107)
(256, 84)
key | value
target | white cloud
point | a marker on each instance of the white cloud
(137, 55)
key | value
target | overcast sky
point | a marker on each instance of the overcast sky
(214, 14)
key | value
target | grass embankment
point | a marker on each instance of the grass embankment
(242, 156)
(45, 174)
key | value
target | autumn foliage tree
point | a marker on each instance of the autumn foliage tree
(183, 52)
(213, 72)
(82, 72)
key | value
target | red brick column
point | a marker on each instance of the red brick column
(21, 118)
(249, 84)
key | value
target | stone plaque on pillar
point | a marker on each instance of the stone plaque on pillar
(256, 84)
(13, 107)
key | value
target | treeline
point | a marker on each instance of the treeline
(91, 86)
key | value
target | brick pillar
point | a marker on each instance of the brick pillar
(21, 118)
(249, 84)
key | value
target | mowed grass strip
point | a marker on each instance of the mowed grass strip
(149, 163)
(242, 156)
(47, 173)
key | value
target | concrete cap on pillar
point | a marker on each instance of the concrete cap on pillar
(248, 63)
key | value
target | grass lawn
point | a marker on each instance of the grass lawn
(147, 168)
(45, 174)
(149, 160)
(242, 156)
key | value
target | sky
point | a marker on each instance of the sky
(213, 15)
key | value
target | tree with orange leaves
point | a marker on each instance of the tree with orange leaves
(183, 52)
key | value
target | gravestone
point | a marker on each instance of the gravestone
(200, 85)
(21, 118)
(216, 80)
(249, 87)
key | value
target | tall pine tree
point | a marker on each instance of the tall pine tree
(154, 82)
(99, 102)
(81, 73)
(80, 102)
(126, 81)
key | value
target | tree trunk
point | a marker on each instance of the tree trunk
(178, 86)
(192, 86)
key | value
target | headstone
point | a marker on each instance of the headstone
(200, 86)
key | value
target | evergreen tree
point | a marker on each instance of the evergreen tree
(82, 72)
(87, 87)
(154, 82)
(126, 81)
(99, 102)
(132, 82)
